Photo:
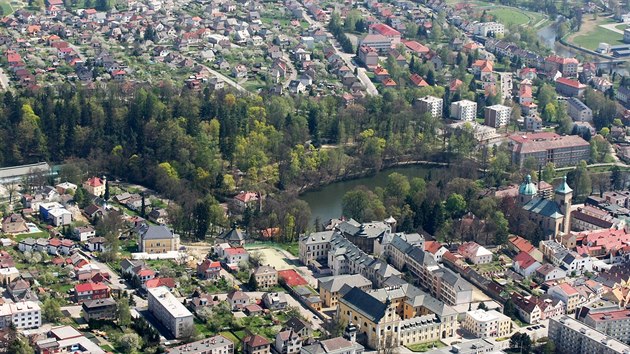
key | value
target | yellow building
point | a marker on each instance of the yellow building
(332, 288)
(485, 324)
(395, 316)
(158, 239)
(266, 277)
(95, 186)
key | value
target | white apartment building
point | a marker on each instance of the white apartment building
(486, 28)
(484, 324)
(170, 312)
(578, 111)
(497, 116)
(23, 315)
(430, 104)
(213, 345)
(572, 336)
(464, 110)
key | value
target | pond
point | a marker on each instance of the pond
(325, 202)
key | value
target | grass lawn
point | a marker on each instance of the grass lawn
(230, 336)
(510, 16)
(7, 9)
(41, 234)
(424, 347)
(594, 35)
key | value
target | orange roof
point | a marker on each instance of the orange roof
(432, 246)
(483, 65)
(521, 244)
(572, 83)
(246, 197)
(418, 80)
(568, 289)
(416, 47)
(380, 71)
(389, 82)
(94, 182)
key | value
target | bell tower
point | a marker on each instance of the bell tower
(563, 197)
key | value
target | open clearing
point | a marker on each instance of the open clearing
(507, 15)
(592, 33)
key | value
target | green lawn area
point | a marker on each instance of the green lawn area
(424, 347)
(231, 336)
(41, 234)
(592, 38)
(7, 9)
(510, 16)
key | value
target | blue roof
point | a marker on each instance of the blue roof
(528, 187)
(564, 188)
(543, 207)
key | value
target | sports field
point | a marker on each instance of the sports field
(591, 34)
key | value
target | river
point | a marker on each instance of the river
(325, 202)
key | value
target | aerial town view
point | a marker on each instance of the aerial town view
(314, 176)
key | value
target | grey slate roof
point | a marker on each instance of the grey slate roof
(544, 207)
(154, 232)
(335, 283)
(366, 304)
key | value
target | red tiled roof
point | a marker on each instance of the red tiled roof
(94, 182)
(235, 250)
(569, 82)
(157, 282)
(80, 288)
(416, 47)
(291, 277)
(524, 260)
(418, 80)
(385, 30)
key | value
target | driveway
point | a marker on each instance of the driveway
(612, 27)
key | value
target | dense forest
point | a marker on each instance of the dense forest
(192, 146)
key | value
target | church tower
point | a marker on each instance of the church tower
(527, 191)
(563, 197)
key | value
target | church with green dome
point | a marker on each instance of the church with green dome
(552, 215)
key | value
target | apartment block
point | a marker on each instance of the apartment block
(489, 28)
(214, 345)
(464, 110)
(484, 324)
(571, 336)
(497, 116)
(614, 323)
(170, 312)
(430, 104)
(23, 315)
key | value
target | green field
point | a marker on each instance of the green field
(591, 38)
(510, 16)
(6, 8)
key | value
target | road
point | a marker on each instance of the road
(116, 283)
(292, 71)
(227, 80)
(612, 27)
(347, 58)
(4, 80)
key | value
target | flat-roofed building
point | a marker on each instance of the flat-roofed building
(214, 345)
(572, 336)
(170, 312)
(497, 115)
(613, 323)
(484, 324)
(23, 315)
(430, 104)
(464, 110)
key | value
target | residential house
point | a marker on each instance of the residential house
(570, 87)
(90, 291)
(548, 272)
(288, 342)
(95, 186)
(266, 277)
(237, 299)
(208, 270)
(567, 294)
(255, 344)
(157, 239)
(524, 264)
(83, 233)
(475, 253)
(99, 309)
(239, 71)
(14, 224)
(275, 300)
